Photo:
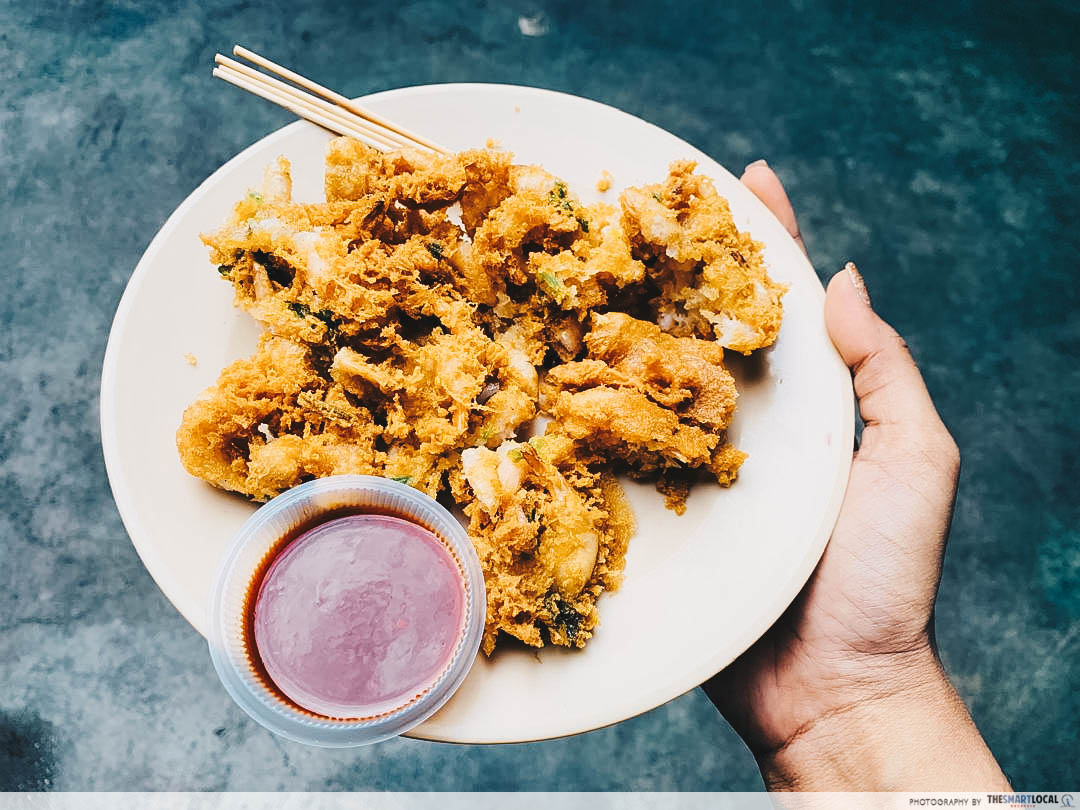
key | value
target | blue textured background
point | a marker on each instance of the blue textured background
(935, 144)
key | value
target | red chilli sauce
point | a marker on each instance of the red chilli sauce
(354, 616)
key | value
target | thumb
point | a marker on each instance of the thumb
(888, 385)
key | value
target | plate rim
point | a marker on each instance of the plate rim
(644, 701)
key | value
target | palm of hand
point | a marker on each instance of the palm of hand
(869, 600)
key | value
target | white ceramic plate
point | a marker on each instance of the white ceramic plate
(698, 589)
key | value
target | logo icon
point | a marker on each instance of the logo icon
(1066, 800)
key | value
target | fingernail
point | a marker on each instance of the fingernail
(857, 282)
(756, 163)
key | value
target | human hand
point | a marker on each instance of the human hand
(846, 690)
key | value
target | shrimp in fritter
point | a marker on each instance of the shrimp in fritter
(659, 403)
(551, 535)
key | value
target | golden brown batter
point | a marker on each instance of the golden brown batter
(419, 320)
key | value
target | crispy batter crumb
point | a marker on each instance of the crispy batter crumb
(192, 360)
(604, 183)
(409, 340)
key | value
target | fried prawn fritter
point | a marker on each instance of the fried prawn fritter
(478, 180)
(450, 392)
(408, 319)
(551, 535)
(657, 402)
(533, 218)
(581, 278)
(271, 422)
(551, 260)
(711, 277)
(352, 266)
(276, 419)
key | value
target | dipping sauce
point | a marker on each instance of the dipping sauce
(359, 615)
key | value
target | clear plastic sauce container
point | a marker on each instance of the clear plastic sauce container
(347, 611)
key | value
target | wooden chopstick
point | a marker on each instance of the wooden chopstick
(304, 104)
(337, 98)
(316, 117)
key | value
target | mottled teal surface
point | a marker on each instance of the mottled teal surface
(934, 143)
